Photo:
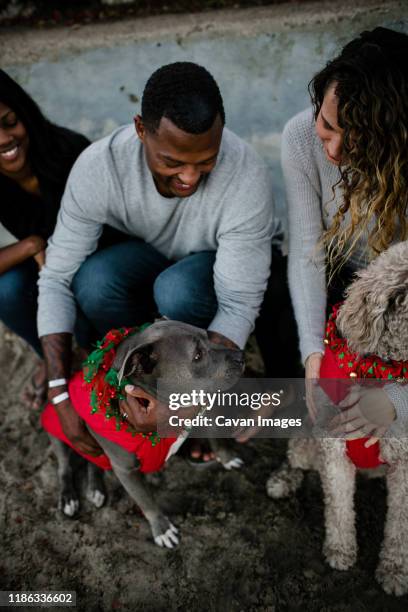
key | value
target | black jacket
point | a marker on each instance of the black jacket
(23, 213)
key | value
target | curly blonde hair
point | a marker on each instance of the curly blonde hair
(370, 77)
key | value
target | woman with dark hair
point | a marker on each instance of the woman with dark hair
(36, 157)
(346, 173)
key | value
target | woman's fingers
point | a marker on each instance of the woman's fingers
(377, 434)
(312, 374)
(347, 427)
(345, 416)
(351, 398)
(363, 431)
(311, 384)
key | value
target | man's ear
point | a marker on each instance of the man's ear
(140, 128)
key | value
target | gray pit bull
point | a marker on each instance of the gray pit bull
(172, 352)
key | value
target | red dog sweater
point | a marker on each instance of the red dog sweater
(339, 362)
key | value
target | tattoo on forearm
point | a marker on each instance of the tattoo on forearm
(57, 352)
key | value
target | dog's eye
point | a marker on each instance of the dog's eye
(198, 356)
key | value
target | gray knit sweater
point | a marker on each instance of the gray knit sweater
(309, 181)
(231, 213)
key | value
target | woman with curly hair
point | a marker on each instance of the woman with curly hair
(346, 173)
(36, 157)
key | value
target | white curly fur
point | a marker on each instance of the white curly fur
(374, 319)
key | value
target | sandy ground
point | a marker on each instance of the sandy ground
(239, 549)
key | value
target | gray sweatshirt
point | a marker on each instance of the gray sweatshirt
(230, 213)
(309, 180)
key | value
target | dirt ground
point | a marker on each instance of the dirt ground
(239, 549)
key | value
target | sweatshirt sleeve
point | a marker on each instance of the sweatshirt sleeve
(398, 395)
(79, 226)
(243, 258)
(306, 262)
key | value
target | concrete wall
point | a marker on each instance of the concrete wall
(91, 78)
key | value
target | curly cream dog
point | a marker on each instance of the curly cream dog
(374, 320)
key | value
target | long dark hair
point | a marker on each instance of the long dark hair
(371, 83)
(50, 150)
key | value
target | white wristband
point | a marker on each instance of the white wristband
(60, 398)
(57, 382)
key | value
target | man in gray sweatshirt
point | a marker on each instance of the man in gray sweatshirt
(196, 204)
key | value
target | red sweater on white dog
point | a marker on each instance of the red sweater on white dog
(339, 362)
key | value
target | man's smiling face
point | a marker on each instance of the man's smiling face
(178, 160)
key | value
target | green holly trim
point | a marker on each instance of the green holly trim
(99, 360)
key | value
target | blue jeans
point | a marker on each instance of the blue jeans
(130, 283)
(126, 284)
(18, 302)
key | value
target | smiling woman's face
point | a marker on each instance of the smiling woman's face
(14, 144)
(328, 129)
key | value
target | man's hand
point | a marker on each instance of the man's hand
(366, 412)
(243, 434)
(57, 353)
(75, 430)
(312, 374)
(217, 338)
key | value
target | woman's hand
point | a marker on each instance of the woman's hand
(34, 244)
(20, 251)
(40, 258)
(141, 409)
(366, 412)
(312, 375)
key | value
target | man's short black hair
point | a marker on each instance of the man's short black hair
(185, 93)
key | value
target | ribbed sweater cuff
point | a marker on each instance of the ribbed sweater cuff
(233, 327)
(398, 395)
(310, 346)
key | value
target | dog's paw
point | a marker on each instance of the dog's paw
(228, 459)
(340, 558)
(96, 497)
(69, 505)
(234, 463)
(164, 532)
(283, 481)
(393, 579)
(95, 486)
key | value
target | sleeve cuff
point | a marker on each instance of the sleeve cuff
(233, 327)
(309, 347)
(398, 395)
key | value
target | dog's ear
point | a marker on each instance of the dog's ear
(134, 359)
(139, 362)
(361, 317)
(375, 305)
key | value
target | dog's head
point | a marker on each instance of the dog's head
(374, 316)
(176, 354)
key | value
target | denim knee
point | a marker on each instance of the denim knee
(172, 294)
(17, 291)
(89, 287)
(184, 297)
